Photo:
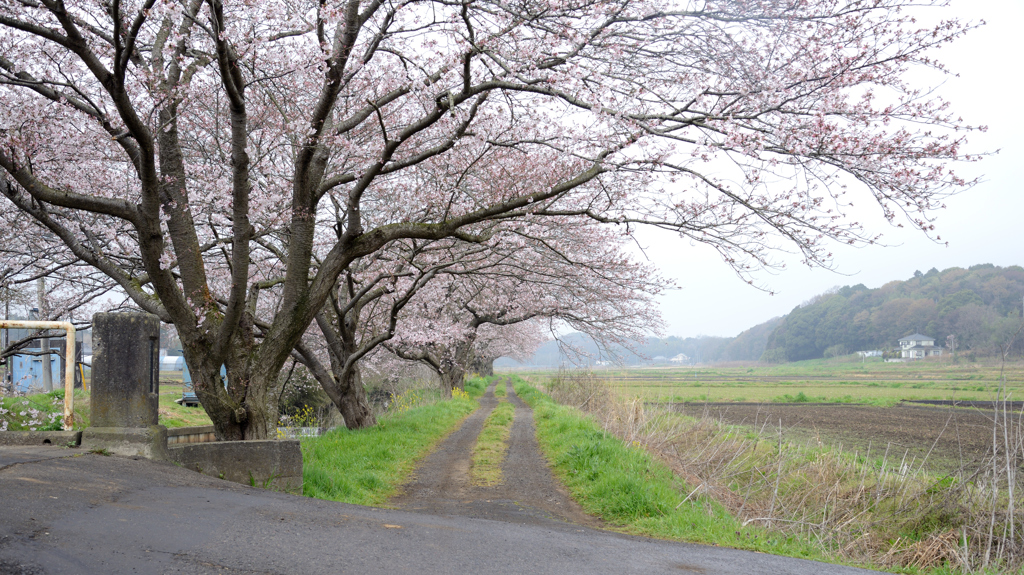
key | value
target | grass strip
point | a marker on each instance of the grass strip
(175, 415)
(491, 446)
(367, 466)
(499, 389)
(627, 487)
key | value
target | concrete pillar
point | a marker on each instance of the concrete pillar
(125, 390)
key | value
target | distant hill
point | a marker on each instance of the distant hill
(980, 305)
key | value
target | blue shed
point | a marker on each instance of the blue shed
(27, 372)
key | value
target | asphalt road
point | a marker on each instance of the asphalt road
(64, 511)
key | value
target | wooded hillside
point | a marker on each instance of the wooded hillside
(980, 305)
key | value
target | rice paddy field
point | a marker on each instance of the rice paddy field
(846, 380)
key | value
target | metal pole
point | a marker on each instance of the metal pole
(44, 365)
(69, 363)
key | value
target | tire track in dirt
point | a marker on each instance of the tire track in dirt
(528, 494)
(443, 475)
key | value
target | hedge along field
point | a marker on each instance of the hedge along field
(367, 466)
(841, 380)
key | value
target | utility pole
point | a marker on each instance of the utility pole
(45, 348)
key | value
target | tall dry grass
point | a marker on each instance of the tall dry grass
(880, 507)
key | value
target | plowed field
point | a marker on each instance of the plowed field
(949, 437)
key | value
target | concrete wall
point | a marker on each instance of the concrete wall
(58, 438)
(269, 464)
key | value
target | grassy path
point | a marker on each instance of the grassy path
(367, 466)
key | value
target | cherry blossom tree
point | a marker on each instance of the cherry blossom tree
(224, 162)
(567, 271)
(529, 264)
(366, 311)
(363, 312)
(517, 341)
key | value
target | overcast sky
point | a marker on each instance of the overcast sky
(983, 225)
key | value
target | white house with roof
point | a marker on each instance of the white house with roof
(918, 346)
(681, 358)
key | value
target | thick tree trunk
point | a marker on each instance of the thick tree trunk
(241, 407)
(452, 378)
(206, 380)
(483, 366)
(259, 405)
(452, 367)
(254, 417)
(350, 397)
(345, 388)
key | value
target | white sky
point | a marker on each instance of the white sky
(982, 225)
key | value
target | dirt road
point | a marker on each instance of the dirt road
(529, 493)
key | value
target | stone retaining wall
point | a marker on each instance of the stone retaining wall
(58, 438)
(269, 464)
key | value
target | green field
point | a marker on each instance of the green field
(846, 380)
